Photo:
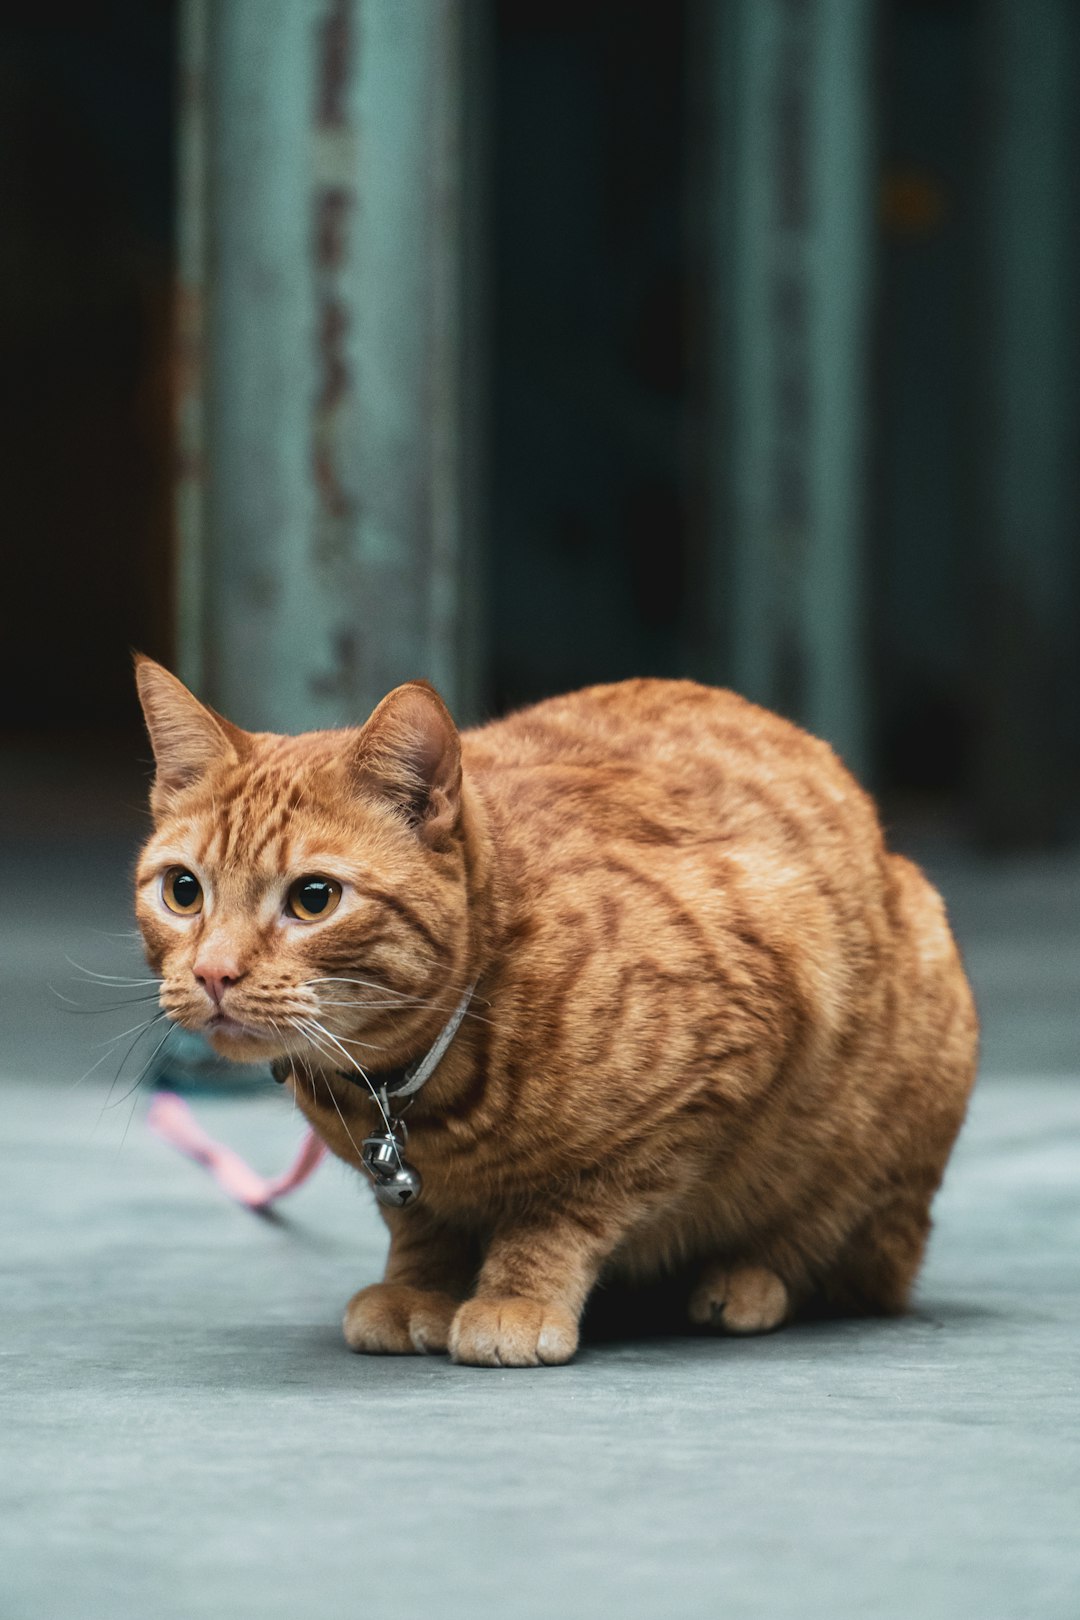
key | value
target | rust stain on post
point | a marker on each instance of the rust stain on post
(335, 60)
(334, 207)
(189, 326)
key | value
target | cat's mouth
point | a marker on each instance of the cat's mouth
(221, 1026)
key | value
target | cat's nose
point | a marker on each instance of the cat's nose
(216, 975)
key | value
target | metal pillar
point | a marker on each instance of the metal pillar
(792, 232)
(327, 516)
(189, 586)
(1027, 414)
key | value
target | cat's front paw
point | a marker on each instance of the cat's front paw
(392, 1319)
(512, 1332)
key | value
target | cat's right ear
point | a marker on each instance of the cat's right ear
(409, 752)
(186, 736)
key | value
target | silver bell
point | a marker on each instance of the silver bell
(400, 1188)
(381, 1155)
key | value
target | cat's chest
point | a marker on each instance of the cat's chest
(468, 1178)
(473, 1181)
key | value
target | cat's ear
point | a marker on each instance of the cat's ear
(186, 736)
(410, 753)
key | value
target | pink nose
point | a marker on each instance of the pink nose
(216, 977)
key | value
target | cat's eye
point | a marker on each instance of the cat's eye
(311, 898)
(182, 891)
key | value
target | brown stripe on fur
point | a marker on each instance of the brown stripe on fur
(408, 915)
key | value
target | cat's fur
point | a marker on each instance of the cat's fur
(717, 1026)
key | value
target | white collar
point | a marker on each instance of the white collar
(399, 1083)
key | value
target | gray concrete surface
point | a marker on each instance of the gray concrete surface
(182, 1432)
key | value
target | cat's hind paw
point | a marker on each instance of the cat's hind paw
(513, 1332)
(740, 1299)
(392, 1319)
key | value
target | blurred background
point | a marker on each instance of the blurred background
(522, 344)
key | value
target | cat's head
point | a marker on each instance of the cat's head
(304, 896)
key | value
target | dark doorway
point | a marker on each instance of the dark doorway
(86, 176)
(590, 401)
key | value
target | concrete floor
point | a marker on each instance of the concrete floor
(182, 1432)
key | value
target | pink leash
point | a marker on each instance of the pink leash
(170, 1118)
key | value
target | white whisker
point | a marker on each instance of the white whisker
(368, 1005)
(402, 1005)
(366, 984)
(351, 1041)
(350, 1059)
(388, 989)
(120, 1067)
(297, 1024)
(71, 1005)
(140, 1077)
(109, 978)
(147, 1023)
(108, 1053)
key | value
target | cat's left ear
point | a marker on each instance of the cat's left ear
(410, 752)
(186, 736)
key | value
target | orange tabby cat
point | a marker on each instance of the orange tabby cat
(716, 1025)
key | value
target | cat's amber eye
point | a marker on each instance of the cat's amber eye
(182, 891)
(310, 899)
